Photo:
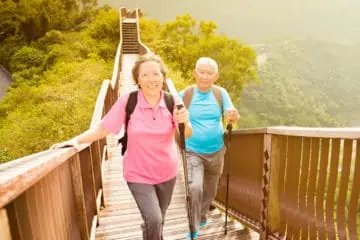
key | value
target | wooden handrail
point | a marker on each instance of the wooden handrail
(19, 175)
(348, 133)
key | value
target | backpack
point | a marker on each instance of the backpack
(129, 109)
(189, 92)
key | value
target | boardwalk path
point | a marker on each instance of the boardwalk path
(121, 218)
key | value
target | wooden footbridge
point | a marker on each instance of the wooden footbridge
(285, 182)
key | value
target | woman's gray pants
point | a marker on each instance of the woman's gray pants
(152, 201)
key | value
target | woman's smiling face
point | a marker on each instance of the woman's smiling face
(150, 78)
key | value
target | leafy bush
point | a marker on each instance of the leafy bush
(105, 26)
(8, 48)
(59, 108)
(25, 58)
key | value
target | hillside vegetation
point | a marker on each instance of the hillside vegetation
(59, 65)
(58, 54)
(304, 83)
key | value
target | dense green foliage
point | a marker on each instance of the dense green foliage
(56, 71)
(27, 21)
(183, 41)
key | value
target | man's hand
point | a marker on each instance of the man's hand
(232, 115)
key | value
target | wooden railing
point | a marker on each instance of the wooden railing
(57, 194)
(302, 183)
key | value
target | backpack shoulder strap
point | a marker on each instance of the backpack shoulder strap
(218, 95)
(188, 94)
(130, 106)
(169, 101)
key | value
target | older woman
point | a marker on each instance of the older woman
(150, 162)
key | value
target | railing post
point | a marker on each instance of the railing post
(4, 226)
(265, 187)
(79, 196)
(87, 171)
(96, 160)
(273, 220)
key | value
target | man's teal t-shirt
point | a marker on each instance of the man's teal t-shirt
(206, 121)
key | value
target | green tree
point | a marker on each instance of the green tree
(183, 41)
(56, 82)
(59, 108)
(10, 19)
(32, 19)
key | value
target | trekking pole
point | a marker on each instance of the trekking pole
(179, 106)
(229, 128)
(187, 192)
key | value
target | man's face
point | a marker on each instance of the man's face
(205, 75)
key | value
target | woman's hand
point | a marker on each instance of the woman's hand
(69, 143)
(182, 115)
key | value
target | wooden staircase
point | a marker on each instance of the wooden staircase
(130, 43)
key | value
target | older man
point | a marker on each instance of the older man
(207, 104)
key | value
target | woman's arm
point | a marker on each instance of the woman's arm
(112, 122)
(88, 136)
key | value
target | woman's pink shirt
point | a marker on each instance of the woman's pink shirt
(151, 156)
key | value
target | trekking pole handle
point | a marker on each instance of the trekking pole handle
(181, 128)
(229, 128)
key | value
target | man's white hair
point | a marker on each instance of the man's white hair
(207, 61)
